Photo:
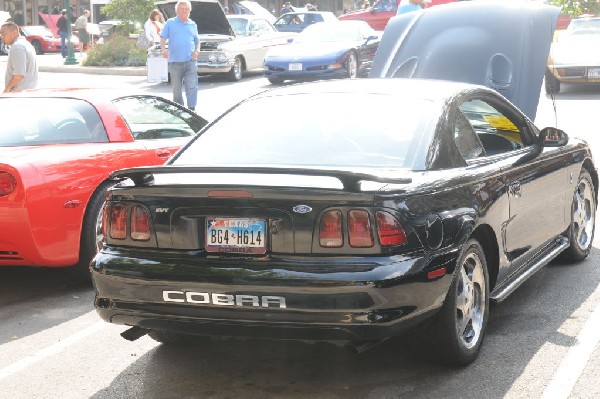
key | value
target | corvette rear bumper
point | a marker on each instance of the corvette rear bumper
(299, 298)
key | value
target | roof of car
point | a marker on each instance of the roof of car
(418, 88)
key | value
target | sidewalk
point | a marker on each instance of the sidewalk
(53, 62)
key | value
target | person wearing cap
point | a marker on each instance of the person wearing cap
(287, 7)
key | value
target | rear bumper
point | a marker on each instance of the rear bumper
(324, 299)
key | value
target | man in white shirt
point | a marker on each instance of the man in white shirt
(21, 66)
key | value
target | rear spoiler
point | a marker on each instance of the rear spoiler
(349, 179)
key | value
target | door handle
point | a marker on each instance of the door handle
(515, 189)
(163, 153)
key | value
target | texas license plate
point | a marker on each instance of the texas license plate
(295, 66)
(238, 235)
(593, 73)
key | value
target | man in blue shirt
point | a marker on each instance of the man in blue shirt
(413, 5)
(183, 51)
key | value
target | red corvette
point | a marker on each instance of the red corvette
(43, 40)
(55, 162)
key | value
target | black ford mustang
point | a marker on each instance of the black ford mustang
(351, 226)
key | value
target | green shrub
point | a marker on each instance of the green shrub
(117, 51)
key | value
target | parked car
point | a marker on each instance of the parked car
(222, 50)
(382, 10)
(333, 49)
(352, 223)
(42, 39)
(54, 166)
(571, 59)
(298, 21)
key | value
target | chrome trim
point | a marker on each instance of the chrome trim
(506, 291)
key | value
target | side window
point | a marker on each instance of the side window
(497, 132)
(152, 118)
(56, 121)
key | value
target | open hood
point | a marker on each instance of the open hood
(503, 45)
(207, 14)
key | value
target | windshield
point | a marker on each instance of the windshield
(37, 31)
(357, 136)
(239, 25)
(584, 26)
(330, 32)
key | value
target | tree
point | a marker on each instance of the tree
(129, 11)
(575, 8)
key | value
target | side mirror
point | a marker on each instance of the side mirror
(553, 137)
(291, 39)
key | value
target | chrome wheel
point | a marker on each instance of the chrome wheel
(584, 209)
(352, 66)
(237, 70)
(470, 300)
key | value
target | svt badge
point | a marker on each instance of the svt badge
(302, 209)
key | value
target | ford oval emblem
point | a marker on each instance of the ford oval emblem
(302, 209)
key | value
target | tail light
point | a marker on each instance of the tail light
(140, 225)
(8, 183)
(104, 224)
(118, 222)
(359, 229)
(389, 229)
(330, 230)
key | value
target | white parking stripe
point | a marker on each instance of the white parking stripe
(576, 359)
(50, 350)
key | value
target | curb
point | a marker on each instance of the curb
(127, 71)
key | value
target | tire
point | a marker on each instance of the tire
(91, 233)
(460, 326)
(352, 66)
(583, 211)
(237, 70)
(551, 84)
(38, 47)
(275, 81)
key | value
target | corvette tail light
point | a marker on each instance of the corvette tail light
(330, 230)
(8, 183)
(389, 229)
(140, 225)
(118, 222)
(359, 229)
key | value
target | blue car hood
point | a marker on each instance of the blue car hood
(301, 51)
(502, 45)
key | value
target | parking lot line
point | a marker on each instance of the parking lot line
(50, 350)
(576, 359)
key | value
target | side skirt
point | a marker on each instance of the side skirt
(552, 251)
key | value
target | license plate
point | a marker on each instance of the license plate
(238, 235)
(295, 66)
(593, 73)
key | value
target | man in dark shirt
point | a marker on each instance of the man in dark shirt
(62, 32)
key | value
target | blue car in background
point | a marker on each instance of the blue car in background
(341, 49)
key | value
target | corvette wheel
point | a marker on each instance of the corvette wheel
(460, 327)
(38, 47)
(583, 211)
(236, 71)
(352, 66)
(91, 233)
(551, 84)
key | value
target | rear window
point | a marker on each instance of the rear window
(334, 129)
(49, 121)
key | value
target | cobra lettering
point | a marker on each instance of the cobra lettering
(208, 298)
